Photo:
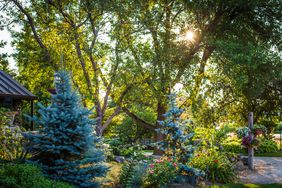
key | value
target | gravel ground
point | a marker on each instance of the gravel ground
(267, 170)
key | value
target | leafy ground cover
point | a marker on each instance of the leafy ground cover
(19, 175)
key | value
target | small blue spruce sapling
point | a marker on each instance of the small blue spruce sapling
(178, 136)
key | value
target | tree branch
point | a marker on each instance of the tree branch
(138, 120)
(33, 28)
(109, 120)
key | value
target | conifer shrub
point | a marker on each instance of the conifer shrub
(65, 145)
(178, 142)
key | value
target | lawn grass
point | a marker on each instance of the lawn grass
(276, 154)
(148, 152)
(273, 154)
(274, 185)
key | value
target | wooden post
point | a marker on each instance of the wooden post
(31, 114)
(251, 149)
(280, 139)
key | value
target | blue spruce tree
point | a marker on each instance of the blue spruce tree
(178, 142)
(178, 136)
(65, 145)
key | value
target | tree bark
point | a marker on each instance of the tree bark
(161, 110)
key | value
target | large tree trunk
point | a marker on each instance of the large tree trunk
(158, 136)
(99, 124)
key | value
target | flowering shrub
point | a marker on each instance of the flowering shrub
(161, 172)
(217, 166)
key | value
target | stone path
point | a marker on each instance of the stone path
(267, 170)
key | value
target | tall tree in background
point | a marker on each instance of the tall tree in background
(155, 34)
(4, 64)
(144, 44)
(65, 145)
(3, 58)
(72, 32)
(236, 84)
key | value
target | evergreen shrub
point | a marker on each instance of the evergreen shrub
(65, 145)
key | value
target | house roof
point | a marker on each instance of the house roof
(11, 88)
